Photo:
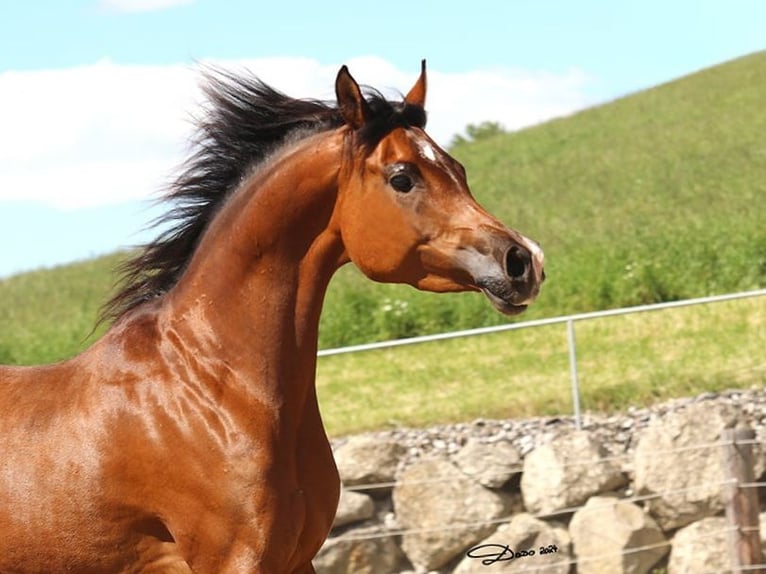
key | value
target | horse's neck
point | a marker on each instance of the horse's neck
(253, 292)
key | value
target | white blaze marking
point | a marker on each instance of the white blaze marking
(538, 257)
(427, 151)
(534, 249)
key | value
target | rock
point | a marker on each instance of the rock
(700, 547)
(759, 455)
(616, 433)
(364, 551)
(492, 465)
(353, 507)
(606, 528)
(762, 533)
(523, 532)
(667, 460)
(366, 460)
(567, 471)
(449, 511)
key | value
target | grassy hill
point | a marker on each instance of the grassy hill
(660, 195)
(657, 196)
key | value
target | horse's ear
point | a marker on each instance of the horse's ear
(417, 95)
(351, 102)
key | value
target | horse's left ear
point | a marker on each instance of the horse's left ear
(351, 102)
(417, 95)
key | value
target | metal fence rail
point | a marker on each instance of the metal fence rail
(569, 320)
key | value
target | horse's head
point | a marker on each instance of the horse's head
(408, 215)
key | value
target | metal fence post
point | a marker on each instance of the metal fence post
(573, 373)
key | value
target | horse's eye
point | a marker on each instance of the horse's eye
(401, 182)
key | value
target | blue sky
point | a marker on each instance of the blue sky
(628, 44)
(95, 95)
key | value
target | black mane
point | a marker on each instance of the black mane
(244, 122)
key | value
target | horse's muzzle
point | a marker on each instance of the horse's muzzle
(523, 275)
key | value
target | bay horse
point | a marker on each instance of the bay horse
(188, 437)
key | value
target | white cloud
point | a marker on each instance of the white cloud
(140, 5)
(105, 133)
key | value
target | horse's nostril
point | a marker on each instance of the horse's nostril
(517, 262)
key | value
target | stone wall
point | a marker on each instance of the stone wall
(635, 492)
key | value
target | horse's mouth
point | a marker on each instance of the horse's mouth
(502, 304)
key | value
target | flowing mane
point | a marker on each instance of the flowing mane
(244, 121)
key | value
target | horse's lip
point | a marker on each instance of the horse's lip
(502, 305)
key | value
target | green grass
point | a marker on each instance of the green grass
(657, 196)
(48, 315)
(636, 359)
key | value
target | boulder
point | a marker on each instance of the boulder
(353, 507)
(523, 533)
(700, 547)
(364, 459)
(361, 551)
(703, 546)
(759, 454)
(606, 529)
(566, 472)
(490, 464)
(669, 462)
(448, 511)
